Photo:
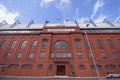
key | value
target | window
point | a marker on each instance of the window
(27, 66)
(31, 55)
(119, 66)
(34, 44)
(8, 55)
(118, 41)
(81, 67)
(3, 44)
(104, 55)
(50, 67)
(42, 55)
(61, 45)
(77, 42)
(98, 67)
(64, 55)
(80, 55)
(110, 44)
(88, 44)
(2, 65)
(44, 43)
(69, 55)
(13, 44)
(40, 66)
(58, 55)
(19, 56)
(52, 55)
(23, 44)
(110, 66)
(71, 68)
(99, 44)
(13, 66)
(91, 56)
(116, 55)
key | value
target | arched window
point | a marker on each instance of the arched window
(13, 44)
(34, 44)
(13, 66)
(61, 45)
(99, 44)
(23, 44)
(27, 66)
(110, 66)
(110, 44)
(98, 67)
(81, 66)
(88, 45)
(3, 44)
(40, 66)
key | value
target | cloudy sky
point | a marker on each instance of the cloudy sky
(56, 11)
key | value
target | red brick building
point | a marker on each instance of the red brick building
(34, 50)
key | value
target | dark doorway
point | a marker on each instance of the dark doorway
(61, 70)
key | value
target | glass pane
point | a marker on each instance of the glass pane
(110, 44)
(13, 66)
(104, 56)
(34, 44)
(77, 43)
(82, 66)
(69, 55)
(116, 55)
(79, 55)
(23, 44)
(50, 67)
(64, 55)
(40, 66)
(42, 55)
(57, 45)
(99, 44)
(13, 44)
(58, 55)
(8, 55)
(44, 43)
(2, 65)
(3, 44)
(64, 45)
(31, 55)
(27, 66)
(19, 56)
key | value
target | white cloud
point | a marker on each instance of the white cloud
(63, 5)
(82, 20)
(6, 15)
(99, 4)
(45, 3)
(100, 18)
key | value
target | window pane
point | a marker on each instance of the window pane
(19, 56)
(81, 66)
(64, 55)
(116, 55)
(57, 45)
(69, 55)
(13, 66)
(34, 44)
(91, 55)
(110, 44)
(79, 55)
(27, 66)
(31, 55)
(64, 44)
(8, 55)
(2, 65)
(58, 55)
(104, 56)
(13, 44)
(44, 44)
(23, 44)
(40, 66)
(77, 42)
(42, 55)
(3, 44)
(99, 44)
(71, 68)
(50, 67)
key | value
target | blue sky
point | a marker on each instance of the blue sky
(56, 11)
